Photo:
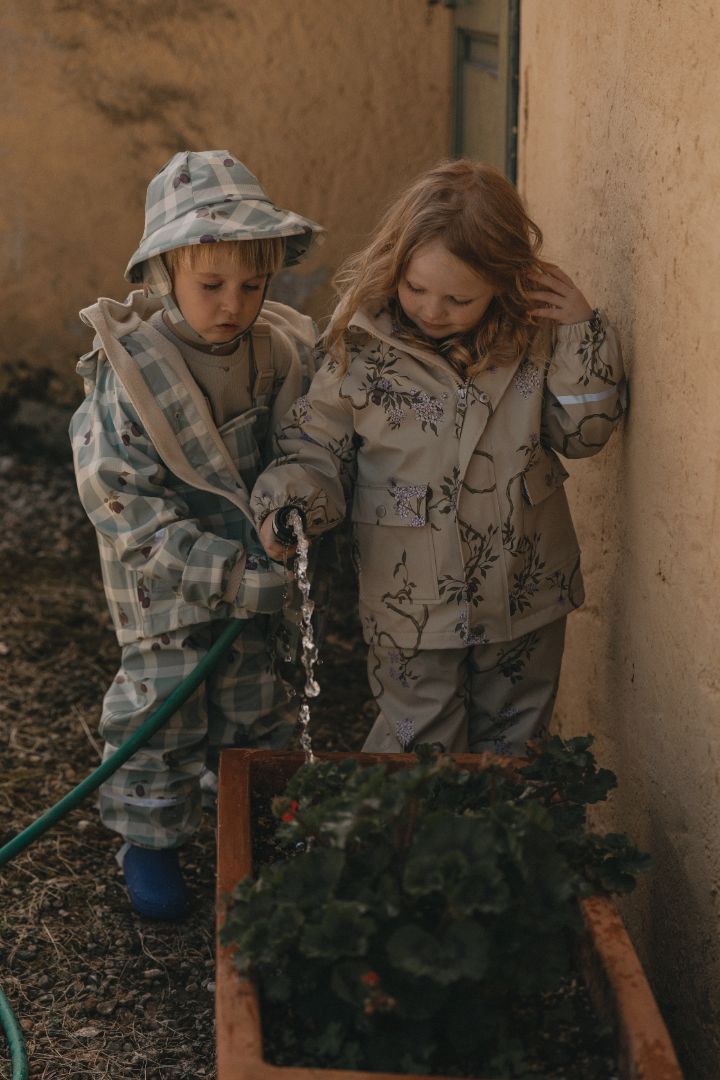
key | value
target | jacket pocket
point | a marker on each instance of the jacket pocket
(394, 543)
(242, 437)
(543, 478)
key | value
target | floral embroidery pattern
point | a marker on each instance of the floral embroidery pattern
(474, 635)
(528, 379)
(594, 366)
(428, 410)
(405, 495)
(383, 386)
(405, 731)
(397, 668)
(512, 543)
(563, 583)
(512, 660)
(527, 580)
(479, 558)
(380, 387)
(502, 747)
(404, 595)
(398, 664)
(449, 491)
(315, 508)
(507, 715)
(496, 727)
(302, 411)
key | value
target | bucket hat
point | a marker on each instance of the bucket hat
(208, 196)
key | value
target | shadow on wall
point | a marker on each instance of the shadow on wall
(295, 289)
(692, 955)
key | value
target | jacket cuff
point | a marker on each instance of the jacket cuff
(234, 579)
(595, 326)
(210, 565)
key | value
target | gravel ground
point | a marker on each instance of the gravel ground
(98, 991)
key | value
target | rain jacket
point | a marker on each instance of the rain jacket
(166, 490)
(462, 530)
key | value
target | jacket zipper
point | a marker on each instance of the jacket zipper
(461, 405)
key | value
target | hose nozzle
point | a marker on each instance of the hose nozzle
(281, 527)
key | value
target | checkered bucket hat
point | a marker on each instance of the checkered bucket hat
(200, 198)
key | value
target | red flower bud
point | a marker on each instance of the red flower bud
(289, 814)
(370, 978)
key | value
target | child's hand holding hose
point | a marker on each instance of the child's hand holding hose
(277, 534)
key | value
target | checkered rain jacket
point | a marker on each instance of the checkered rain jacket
(165, 489)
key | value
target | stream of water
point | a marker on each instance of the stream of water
(309, 648)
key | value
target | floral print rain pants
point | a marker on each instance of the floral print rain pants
(486, 697)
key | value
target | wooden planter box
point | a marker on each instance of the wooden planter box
(615, 977)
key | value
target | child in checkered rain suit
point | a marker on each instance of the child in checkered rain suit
(184, 382)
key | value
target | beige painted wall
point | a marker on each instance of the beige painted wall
(333, 104)
(620, 164)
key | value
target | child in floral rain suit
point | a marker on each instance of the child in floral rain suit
(459, 366)
(183, 383)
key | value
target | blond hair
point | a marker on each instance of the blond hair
(479, 217)
(262, 256)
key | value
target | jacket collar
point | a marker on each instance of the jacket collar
(477, 399)
(203, 462)
(380, 326)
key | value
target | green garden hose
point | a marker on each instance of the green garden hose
(173, 702)
(13, 1034)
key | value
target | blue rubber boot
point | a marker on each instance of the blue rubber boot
(155, 883)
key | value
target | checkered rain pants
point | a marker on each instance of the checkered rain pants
(154, 800)
(485, 697)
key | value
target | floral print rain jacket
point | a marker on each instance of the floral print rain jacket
(462, 530)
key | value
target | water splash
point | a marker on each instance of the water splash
(309, 648)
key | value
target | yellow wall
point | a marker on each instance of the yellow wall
(619, 161)
(334, 105)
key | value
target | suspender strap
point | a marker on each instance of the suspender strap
(262, 357)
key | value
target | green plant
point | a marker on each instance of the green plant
(426, 919)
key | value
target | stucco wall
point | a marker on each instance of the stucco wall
(333, 105)
(619, 161)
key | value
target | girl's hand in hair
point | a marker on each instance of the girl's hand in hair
(559, 299)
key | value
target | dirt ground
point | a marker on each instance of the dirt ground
(98, 991)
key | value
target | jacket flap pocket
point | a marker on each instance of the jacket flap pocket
(242, 433)
(245, 420)
(395, 504)
(543, 478)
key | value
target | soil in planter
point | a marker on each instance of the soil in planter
(571, 1043)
